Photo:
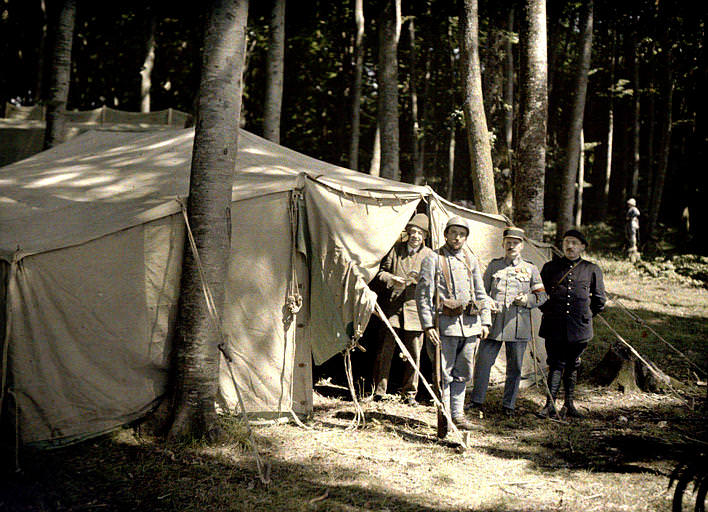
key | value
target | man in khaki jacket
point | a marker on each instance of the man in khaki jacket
(399, 272)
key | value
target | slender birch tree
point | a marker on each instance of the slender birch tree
(274, 73)
(480, 149)
(529, 167)
(213, 162)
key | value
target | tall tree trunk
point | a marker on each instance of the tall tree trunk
(663, 163)
(610, 130)
(581, 181)
(60, 75)
(509, 89)
(567, 193)
(389, 34)
(507, 201)
(480, 149)
(375, 165)
(415, 126)
(636, 119)
(274, 73)
(424, 111)
(41, 51)
(213, 162)
(149, 61)
(529, 169)
(451, 163)
(356, 86)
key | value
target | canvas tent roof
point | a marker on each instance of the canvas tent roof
(92, 236)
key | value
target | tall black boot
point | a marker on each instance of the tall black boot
(554, 381)
(569, 381)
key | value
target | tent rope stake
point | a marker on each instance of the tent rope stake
(641, 322)
(263, 469)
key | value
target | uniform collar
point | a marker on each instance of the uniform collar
(571, 262)
(514, 262)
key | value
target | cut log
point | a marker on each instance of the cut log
(620, 369)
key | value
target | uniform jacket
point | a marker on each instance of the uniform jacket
(400, 307)
(466, 283)
(576, 293)
(504, 281)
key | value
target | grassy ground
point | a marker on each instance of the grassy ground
(618, 458)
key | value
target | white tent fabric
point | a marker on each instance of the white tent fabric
(91, 244)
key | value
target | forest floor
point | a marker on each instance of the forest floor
(618, 458)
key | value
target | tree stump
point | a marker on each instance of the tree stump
(620, 369)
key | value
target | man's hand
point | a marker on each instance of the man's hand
(485, 332)
(521, 300)
(433, 336)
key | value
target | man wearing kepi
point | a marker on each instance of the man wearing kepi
(576, 293)
(450, 290)
(515, 287)
(399, 272)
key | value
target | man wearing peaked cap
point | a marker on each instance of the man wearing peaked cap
(631, 230)
(576, 293)
(399, 272)
(514, 286)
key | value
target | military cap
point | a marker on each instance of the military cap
(632, 202)
(576, 234)
(512, 232)
(456, 221)
(419, 220)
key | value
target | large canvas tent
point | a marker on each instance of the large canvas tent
(91, 243)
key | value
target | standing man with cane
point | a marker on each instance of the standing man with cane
(515, 288)
(461, 310)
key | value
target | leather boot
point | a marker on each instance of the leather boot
(569, 381)
(554, 381)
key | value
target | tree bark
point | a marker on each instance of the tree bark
(415, 126)
(60, 74)
(567, 192)
(41, 52)
(481, 167)
(610, 132)
(149, 61)
(356, 86)
(375, 164)
(213, 162)
(274, 73)
(451, 163)
(663, 163)
(506, 205)
(636, 119)
(389, 34)
(529, 169)
(581, 180)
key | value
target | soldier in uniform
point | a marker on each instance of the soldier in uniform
(399, 272)
(631, 228)
(576, 293)
(515, 288)
(451, 291)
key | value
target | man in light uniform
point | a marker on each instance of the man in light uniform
(450, 289)
(515, 287)
(399, 272)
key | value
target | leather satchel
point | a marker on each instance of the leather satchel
(453, 307)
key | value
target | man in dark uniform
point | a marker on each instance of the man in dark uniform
(576, 293)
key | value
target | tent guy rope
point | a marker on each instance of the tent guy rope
(263, 468)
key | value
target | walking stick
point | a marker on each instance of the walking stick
(437, 365)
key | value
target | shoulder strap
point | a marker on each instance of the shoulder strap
(445, 269)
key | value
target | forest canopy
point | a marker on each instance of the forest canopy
(646, 78)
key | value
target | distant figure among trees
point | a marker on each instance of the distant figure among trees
(631, 229)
